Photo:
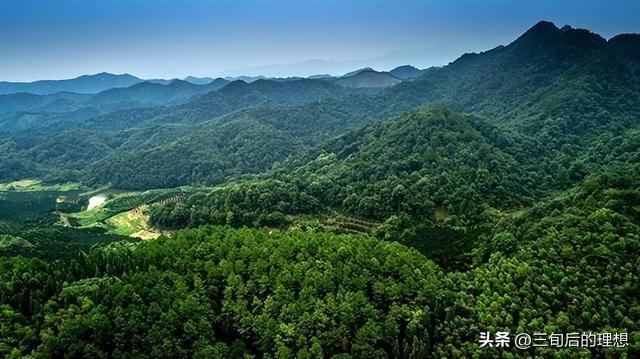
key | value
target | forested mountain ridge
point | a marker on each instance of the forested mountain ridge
(426, 148)
(230, 97)
(544, 145)
(507, 81)
(535, 85)
(115, 127)
(436, 173)
(422, 165)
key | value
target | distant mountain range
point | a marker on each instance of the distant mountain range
(94, 84)
(198, 80)
(370, 78)
(147, 93)
(141, 94)
(87, 84)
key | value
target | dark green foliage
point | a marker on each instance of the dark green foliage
(262, 203)
(32, 209)
(191, 143)
(249, 141)
(29, 226)
(221, 292)
(567, 266)
(410, 164)
(12, 167)
(414, 163)
(207, 156)
(53, 242)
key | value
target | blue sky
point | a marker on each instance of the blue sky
(153, 39)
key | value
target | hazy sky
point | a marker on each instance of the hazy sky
(153, 39)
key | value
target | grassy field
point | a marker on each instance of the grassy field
(133, 223)
(127, 223)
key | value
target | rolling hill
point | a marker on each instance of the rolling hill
(406, 72)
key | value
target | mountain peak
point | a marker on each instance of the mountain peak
(627, 47)
(626, 38)
(108, 74)
(236, 85)
(540, 31)
(544, 26)
(566, 28)
(353, 73)
(406, 72)
(368, 78)
(199, 80)
(405, 67)
(545, 36)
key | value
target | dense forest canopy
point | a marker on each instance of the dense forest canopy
(325, 218)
